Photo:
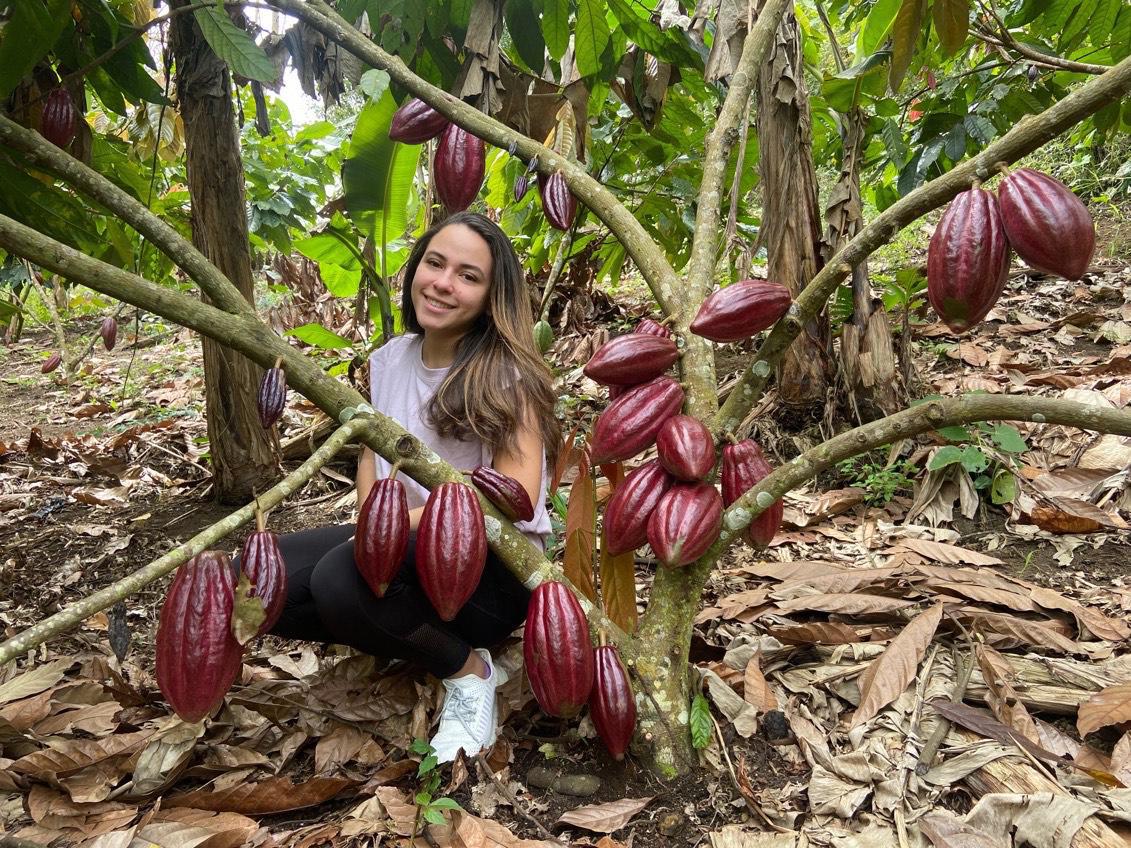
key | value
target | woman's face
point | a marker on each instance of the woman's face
(452, 283)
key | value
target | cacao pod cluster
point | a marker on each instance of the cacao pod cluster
(460, 161)
(968, 256)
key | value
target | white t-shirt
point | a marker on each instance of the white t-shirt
(401, 386)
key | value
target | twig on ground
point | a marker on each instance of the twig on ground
(751, 804)
(481, 759)
(927, 756)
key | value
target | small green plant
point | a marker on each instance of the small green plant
(989, 452)
(428, 807)
(881, 481)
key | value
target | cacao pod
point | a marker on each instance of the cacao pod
(59, 119)
(382, 534)
(558, 201)
(109, 331)
(630, 507)
(744, 466)
(685, 522)
(458, 168)
(505, 492)
(611, 705)
(520, 186)
(629, 424)
(967, 260)
(416, 122)
(557, 650)
(543, 336)
(653, 328)
(1048, 225)
(263, 564)
(631, 359)
(686, 448)
(272, 396)
(198, 658)
(616, 391)
(741, 310)
(52, 362)
(451, 547)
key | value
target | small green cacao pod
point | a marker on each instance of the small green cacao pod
(543, 336)
(611, 705)
(382, 534)
(416, 122)
(451, 547)
(557, 651)
(272, 396)
(263, 564)
(51, 363)
(109, 331)
(59, 120)
(505, 492)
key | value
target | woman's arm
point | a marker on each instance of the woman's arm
(524, 464)
(367, 476)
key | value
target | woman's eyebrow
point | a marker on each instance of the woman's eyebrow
(469, 265)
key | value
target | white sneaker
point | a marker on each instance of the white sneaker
(470, 713)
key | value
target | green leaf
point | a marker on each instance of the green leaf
(670, 45)
(526, 34)
(555, 27)
(422, 799)
(374, 82)
(904, 37)
(700, 721)
(952, 21)
(319, 336)
(433, 816)
(1121, 36)
(973, 460)
(876, 26)
(1004, 488)
(945, 456)
(445, 804)
(428, 764)
(592, 36)
(38, 25)
(955, 434)
(1008, 439)
(234, 46)
(327, 247)
(339, 281)
(420, 746)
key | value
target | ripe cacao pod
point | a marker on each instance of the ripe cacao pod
(1048, 225)
(653, 328)
(458, 168)
(505, 492)
(741, 310)
(263, 564)
(630, 507)
(382, 534)
(109, 331)
(631, 359)
(52, 362)
(744, 466)
(967, 260)
(59, 119)
(558, 201)
(612, 705)
(416, 122)
(272, 396)
(543, 336)
(686, 448)
(198, 658)
(451, 547)
(685, 522)
(557, 650)
(629, 424)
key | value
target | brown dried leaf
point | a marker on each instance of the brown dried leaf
(981, 722)
(1092, 620)
(945, 830)
(1121, 760)
(39, 679)
(1001, 698)
(1068, 515)
(887, 675)
(817, 633)
(605, 818)
(274, 795)
(984, 594)
(1020, 631)
(840, 583)
(338, 747)
(755, 689)
(186, 828)
(162, 760)
(67, 756)
(846, 604)
(1108, 706)
(941, 552)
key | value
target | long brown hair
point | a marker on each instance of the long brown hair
(498, 380)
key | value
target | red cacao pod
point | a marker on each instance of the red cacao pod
(653, 328)
(630, 360)
(109, 331)
(416, 122)
(743, 466)
(685, 522)
(272, 396)
(458, 168)
(967, 260)
(628, 510)
(1048, 225)
(558, 201)
(451, 547)
(382, 534)
(741, 310)
(51, 363)
(612, 705)
(686, 448)
(59, 119)
(198, 658)
(505, 492)
(629, 424)
(263, 564)
(557, 650)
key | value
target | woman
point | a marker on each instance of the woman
(468, 381)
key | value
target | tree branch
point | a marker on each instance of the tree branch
(1006, 41)
(1028, 135)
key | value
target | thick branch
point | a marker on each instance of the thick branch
(1024, 138)
(46, 155)
(645, 253)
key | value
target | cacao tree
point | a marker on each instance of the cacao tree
(621, 43)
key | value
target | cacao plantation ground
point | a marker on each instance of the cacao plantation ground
(96, 481)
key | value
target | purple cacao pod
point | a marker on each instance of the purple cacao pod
(631, 359)
(741, 310)
(505, 492)
(685, 522)
(263, 564)
(51, 363)
(458, 168)
(451, 547)
(272, 397)
(653, 328)
(744, 466)
(1048, 225)
(109, 331)
(630, 507)
(416, 122)
(382, 534)
(629, 424)
(59, 120)
(612, 705)
(558, 201)
(556, 648)
(686, 448)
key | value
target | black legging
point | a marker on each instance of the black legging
(329, 601)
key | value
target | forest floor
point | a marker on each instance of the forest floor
(100, 474)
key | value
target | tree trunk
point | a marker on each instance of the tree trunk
(239, 448)
(790, 220)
